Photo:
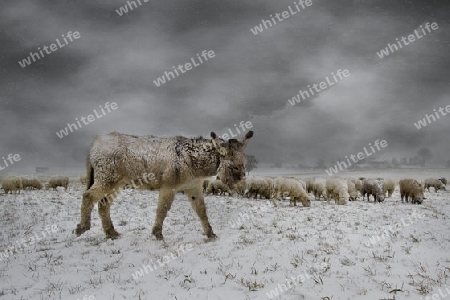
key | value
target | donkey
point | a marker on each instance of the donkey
(167, 164)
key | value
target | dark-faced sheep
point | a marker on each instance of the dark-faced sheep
(373, 187)
(411, 188)
(12, 184)
(443, 180)
(168, 164)
(437, 184)
(56, 181)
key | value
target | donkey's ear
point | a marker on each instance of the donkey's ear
(248, 136)
(216, 143)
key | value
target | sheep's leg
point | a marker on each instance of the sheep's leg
(198, 204)
(90, 197)
(104, 213)
(165, 200)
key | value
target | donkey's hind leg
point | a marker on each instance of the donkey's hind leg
(195, 196)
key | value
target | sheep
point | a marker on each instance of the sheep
(262, 186)
(293, 188)
(357, 183)
(217, 187)
(318, 188)
(309, 184)
(411, 188)
(436, 183)
(83, 179)
(373, 187)
(205, 185)
(352, 191)
(443, 180)
(240, 187)
(337, 189)
(303, 183)
(56, 181)
(12, 183)
(389, 187)
(31, 183)
(172, 163)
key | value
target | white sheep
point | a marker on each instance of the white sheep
(12, 183)
(217, 187)
(293, 188)
(56, 181)
(436, 183)
(352, 191)
(31, 183)
(262, 186)
(389, 186)
(318, 188)
(337, 189)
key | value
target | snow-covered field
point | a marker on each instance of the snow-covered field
(362, 250)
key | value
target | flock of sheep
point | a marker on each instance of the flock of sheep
(15, 184)
(338, 189)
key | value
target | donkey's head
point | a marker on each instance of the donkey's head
(232, 158)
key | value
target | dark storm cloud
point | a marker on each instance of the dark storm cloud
(251, 76)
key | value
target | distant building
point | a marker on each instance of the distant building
(41, 170)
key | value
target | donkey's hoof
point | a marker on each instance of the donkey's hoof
(211, 236)
(112, 234)
(158, 234)
(81, 229)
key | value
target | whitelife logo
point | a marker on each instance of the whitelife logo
(359, 156)
(90, 118)
(428, 118)
(284, 15)
(188, 66)
(27, 61)
(391, 48)
(319, 87)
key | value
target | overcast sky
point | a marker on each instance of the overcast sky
(250, 78)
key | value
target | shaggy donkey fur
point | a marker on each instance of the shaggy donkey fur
(174, 164)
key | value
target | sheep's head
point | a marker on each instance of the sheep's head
(232, 158)
(380, 197)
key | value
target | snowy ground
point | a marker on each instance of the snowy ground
(331, 252)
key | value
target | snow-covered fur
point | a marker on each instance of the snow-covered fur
(217, 187)
(31, 183)
(56, 181)
(373, 187)
(12, 183)
(309, 184)
(357, 182)
(337, 189)
(436, 183)
(205, 184)
(411, 188)
(352, 191)
(389, 186)
(293, 188)
(262, 186)
(168, 164)
(318, 188)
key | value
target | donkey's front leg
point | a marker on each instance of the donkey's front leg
(166, 197)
